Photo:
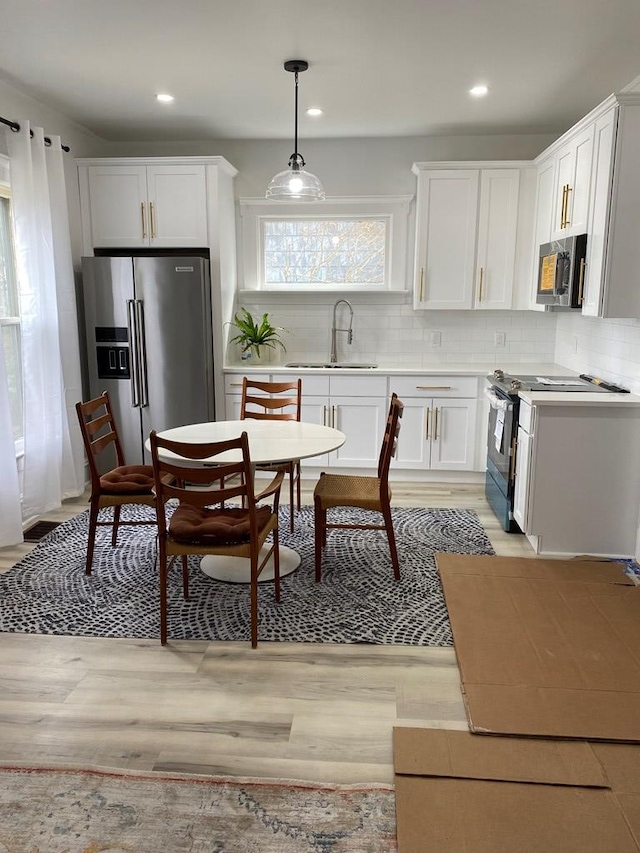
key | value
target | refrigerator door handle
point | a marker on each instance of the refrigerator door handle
(135, 357)
(142, 353)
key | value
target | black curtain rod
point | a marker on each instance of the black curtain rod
(16, 127)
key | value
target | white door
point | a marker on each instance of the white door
(603, 148)
(177, 206)
(497, 226)
(523, 468)
(573, 179)
(362, 420)
(414, 440)
(118, 206)
(446, 238)
(453, 436)
(315, 410)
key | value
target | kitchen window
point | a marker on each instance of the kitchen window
(339, 245)
(10, 313)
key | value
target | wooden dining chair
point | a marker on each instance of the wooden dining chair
(202, 524)
(363, 492)
(121, 484)
(283, 403)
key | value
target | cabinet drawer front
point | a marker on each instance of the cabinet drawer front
(358, 386)
(434, 386)
(317, 384)
(233, 381)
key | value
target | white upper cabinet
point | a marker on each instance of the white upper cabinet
(497, 225)
(446, 223)
(466, 226)
(162, 202)
(572, 184)
(132, 206)
(589, 182)
(613, 245)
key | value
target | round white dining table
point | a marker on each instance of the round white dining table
(269, 442)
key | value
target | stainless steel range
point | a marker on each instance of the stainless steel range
(504, 403)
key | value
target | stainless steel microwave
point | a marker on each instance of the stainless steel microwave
(561, 272)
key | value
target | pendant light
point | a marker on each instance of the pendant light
(295, 184)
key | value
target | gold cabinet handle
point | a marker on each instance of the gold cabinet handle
(581, 281)
(433, 387)
(324, 416)
(421, 283)
(563, 206)
(152, 218)
(512, 461)
(239, 384)
(435, 426)
(144, 229)
(481, 283)
(426, 430)
(566, 208)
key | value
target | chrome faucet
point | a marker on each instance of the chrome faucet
(334, 329)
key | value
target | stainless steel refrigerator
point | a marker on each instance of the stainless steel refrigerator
(149, 342)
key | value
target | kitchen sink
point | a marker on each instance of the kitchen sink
(345, 365)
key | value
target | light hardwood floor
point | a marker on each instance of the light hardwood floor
(285, 710)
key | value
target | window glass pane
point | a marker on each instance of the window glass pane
(324, 251)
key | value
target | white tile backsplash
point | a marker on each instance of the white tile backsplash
(609, 349)
(393, 333)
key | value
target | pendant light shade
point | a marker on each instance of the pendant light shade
(295, 183)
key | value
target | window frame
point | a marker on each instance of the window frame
(393, 209)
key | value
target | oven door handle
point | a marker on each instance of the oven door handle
(495, 402)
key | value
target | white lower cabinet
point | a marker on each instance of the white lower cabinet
(437, 432)
(578, 476)
(356, 405)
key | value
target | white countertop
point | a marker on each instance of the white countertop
(471, 368)
(572, 398)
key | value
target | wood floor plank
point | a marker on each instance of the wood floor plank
(285, 710)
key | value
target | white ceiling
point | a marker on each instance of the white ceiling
(377, 67)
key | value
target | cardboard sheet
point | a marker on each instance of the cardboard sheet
(541, 656)
(582, 569)
(453, 815)
(462, 755)
(457, 792)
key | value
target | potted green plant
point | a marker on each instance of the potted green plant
(252, 335)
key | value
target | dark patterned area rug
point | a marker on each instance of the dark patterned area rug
(59, 810)
(357, 601)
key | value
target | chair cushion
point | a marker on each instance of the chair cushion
(128, 480)
(201, 526)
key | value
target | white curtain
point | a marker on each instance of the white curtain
(52, 465)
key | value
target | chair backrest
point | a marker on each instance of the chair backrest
(282, 396)
(202, 483)
(100, 436)
(390, 440)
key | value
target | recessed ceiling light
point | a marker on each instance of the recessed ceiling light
(165, 98)
(314, 111)
(479, 91)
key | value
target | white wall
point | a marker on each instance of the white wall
(372, 166)
(609, 349)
